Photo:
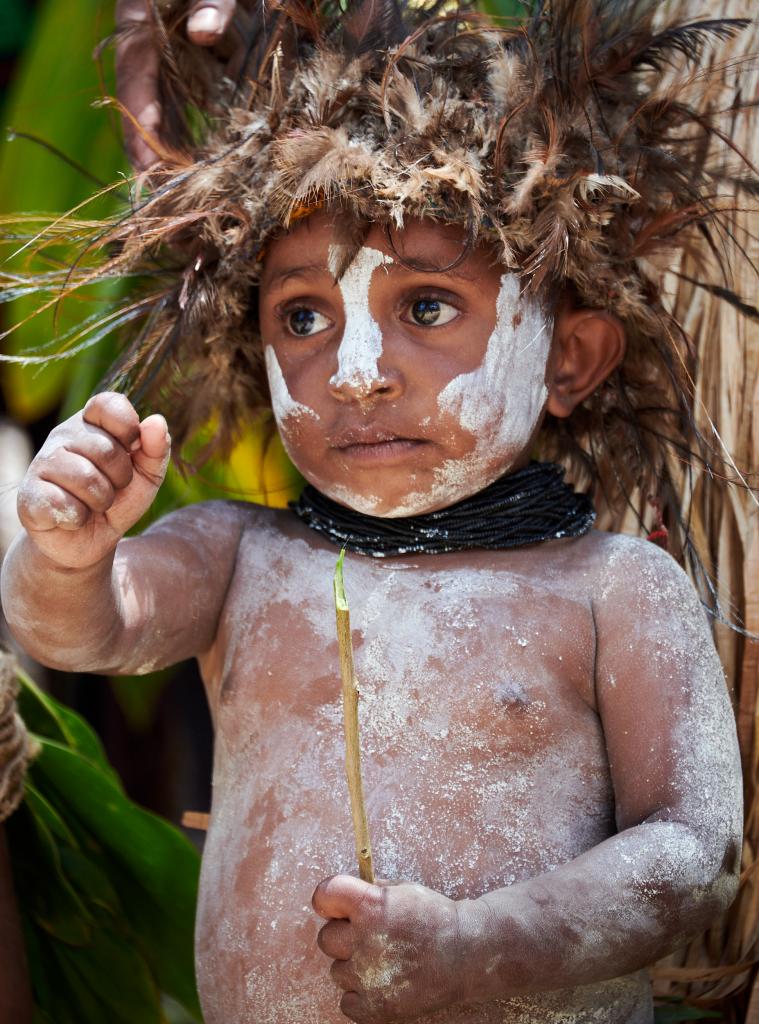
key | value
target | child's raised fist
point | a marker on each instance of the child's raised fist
(94, 477)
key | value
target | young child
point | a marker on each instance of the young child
(438, 254)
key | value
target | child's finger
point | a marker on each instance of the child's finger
(335, 939)
(353, 1006)
(78, 476)
(115, 414)
(342, 896)
(150, 460)
(344, 976)
(154, 436)
(108, 454)
(208, 20)
(152, 457)
(47, 506)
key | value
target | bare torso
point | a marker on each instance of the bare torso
(550, 753)
(484, 757)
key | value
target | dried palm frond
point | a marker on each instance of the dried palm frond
(720, 969)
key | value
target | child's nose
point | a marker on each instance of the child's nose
(364, 385)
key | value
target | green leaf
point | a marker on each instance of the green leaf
(678, 1011)
(112, 962)
(154, 866)
(142, 842)
(15, 24)
(72, 1001)
(52, 99)
(511, 10)
(48, 897)
(42, 974)
(47, 717)
(44, 811)
(39, 711)
(169, 949)
(107, 891)
(39, 1016)
(85, 741)
(90, 880)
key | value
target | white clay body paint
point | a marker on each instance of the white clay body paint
(282, 402)
(512, 773)
(505, 395)
(500, 403)
(361, 345)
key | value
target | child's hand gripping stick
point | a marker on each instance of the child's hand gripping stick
(95, 476)
(398, 949)
(350, 721)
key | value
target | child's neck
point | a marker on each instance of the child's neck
(528, 506)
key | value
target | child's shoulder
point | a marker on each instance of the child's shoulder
(635, 580)
(620, 557)
(217, 530)
(219, 513)
(599, 559)
(616, 574)
(249, 527)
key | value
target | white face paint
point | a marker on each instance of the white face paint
(361, 344)
(285, 408)
(500, 403)
(504, 397)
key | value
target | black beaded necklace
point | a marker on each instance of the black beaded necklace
(526, 507)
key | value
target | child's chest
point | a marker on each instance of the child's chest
(489, 653)
(483, 759)
(476, 711)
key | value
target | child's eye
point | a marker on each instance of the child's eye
(432, 312)
(304, 322)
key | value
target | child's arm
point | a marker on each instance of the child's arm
(666, 875)
(76, 595)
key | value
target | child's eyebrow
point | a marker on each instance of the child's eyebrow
(311, 269)
(456, 272)
(304, 270)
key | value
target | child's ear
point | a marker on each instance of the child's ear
(587, 345)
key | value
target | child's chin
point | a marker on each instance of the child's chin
(366, 504)
(398, 507)
(385, 507)
(418, 494)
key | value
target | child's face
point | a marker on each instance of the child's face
(398, 391)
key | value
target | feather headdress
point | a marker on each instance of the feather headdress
(578, 143)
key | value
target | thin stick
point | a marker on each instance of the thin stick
(350, 722)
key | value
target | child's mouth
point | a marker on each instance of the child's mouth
(376, 446)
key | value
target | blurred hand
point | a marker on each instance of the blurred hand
(95, 476)
(209, 24)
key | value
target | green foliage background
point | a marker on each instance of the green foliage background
(106, 890)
